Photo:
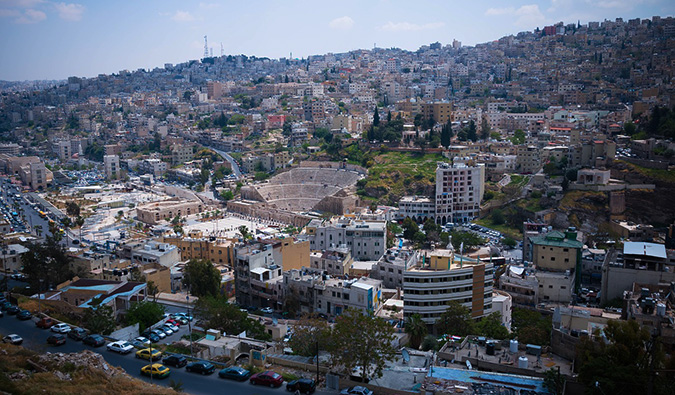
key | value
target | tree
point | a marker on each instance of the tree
(201, 278)
(204, 175)
(471, 131)
(497, 217)
(530, 327)
(362, 341)
(554, 382)
(518, 137)
(417, 329)
(509, 242)
(48, 262)
(376, 118)
(484, 129)
(215, 312)
(307, 331)
(226, 195)
(470, 240)
(491, 326)
(446, 134)
(245, 234)
(456, 320)
(152, 290)
(144, 313)
(72, 209)
(623, 361)
(99, 319)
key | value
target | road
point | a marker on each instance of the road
(35, 339)
(235, 166)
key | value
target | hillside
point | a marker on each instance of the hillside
(395, 174)
(25, 372)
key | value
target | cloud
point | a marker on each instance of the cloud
(209, 6)
(500, 11)
(31, 16)
(410, 27)
(526, 16)
(183, 16)
(69, 12)
(342, 23)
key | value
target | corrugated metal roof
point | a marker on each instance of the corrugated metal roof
(646, 249)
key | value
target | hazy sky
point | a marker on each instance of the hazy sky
(43, 39)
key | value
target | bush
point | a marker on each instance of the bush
(429, 343)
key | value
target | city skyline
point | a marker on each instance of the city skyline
(54, 40)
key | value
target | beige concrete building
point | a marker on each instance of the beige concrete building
(181, 153)
(111, 165)
(153, 213)
(527, 159)
(195, 246)
(557, 251)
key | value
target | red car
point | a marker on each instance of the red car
(173, 322)
(273, 379)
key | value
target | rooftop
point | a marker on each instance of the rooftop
(647, 249)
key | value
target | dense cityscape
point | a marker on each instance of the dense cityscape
(483, 219)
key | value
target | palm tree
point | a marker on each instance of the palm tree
(417, 329)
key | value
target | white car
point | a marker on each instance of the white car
(13, 339)
(61, 328)
(267, 310)
(144, 340)
(121, 347)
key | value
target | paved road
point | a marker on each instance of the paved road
(35, 339)
(235, 166)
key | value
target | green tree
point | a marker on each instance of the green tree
(497, 217)
(518, 137)
(470, 240)
(362, 341)
(446, 134)
(307, 331)
(215, 312)
(376, 118)
(226, 195)
(485, 129)
(509, 242)
(99, 319)
(417, 329)
(144, 313)
(455, 320)
(624, 361)
(471, 133)
(554, 382)
(201, 278)
(204, 175)
(531, 327)
(244, 232)
(72, 209)
(410, 228)
(491, 326)
(48, 262)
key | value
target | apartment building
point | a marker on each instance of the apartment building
(434, 282)
(181, 153)
(417, 208)
(459, 191)
(528, 159)
(334, 261)
(366, 239)
(111, 165)
(152, 166)
(390, 268)
(153, 213)
(164, 254)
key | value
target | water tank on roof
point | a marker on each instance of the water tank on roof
(490, 348)
(513, 346)
(522, 362)
(661, 309)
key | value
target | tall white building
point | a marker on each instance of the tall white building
(459, 190)
(111, 164)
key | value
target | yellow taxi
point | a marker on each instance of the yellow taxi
(155, 370)
(148, 354)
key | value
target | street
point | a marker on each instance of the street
(35, 339)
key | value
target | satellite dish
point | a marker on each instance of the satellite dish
(406, 355)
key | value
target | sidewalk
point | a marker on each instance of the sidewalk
(177, 299)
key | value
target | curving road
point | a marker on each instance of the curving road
(235, 166)
(35, 339)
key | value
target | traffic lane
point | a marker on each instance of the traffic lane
(36, 339)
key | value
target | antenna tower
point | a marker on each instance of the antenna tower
(206, 48)
(222, 50)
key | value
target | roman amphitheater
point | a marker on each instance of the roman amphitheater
(312, 186)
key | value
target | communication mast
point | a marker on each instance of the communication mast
(222, 49)
(206, 48)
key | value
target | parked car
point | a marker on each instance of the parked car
(24, 315)
(5, 305)
(174, 322)
(155, 370)
(143, 340)
(12, 310)
(61, 328)
(273, 379)
(56, 339)
(149, 354)
(179, 319)
(159, 333)
(200, 367)
(358, 390)
(186, 316)
(267, 310)
(45, 323)
(121, 347)
(175, 360)
(94, 340)
(305, 386)
(173, 327)
(167, 329)
(153, 337)
(234, 373)
(13, 339)
(77, 333)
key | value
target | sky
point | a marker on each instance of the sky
(42, 39)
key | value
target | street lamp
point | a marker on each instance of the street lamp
(187, 300)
